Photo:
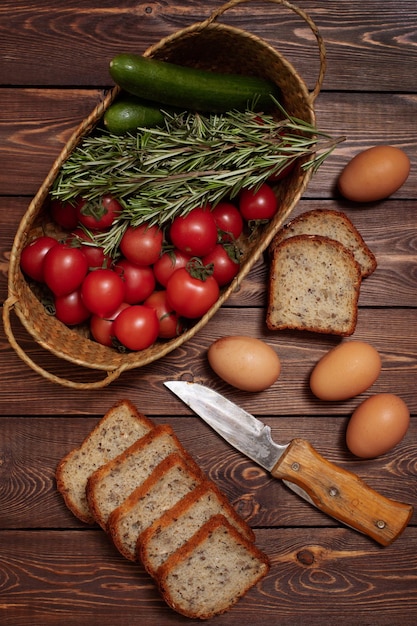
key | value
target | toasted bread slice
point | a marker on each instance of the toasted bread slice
(314, 285)
(121, 426)
(335, 225)
(211, 571)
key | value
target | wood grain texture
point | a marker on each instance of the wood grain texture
(77, 577)
(55, 570)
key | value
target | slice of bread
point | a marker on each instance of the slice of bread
(335, 225)
(120, 427)
(209, 573)
(170, 481)
(178, 525)
(111, 484)
(314, 285)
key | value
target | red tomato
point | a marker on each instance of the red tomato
(70, 309)
(228, 220)
(98, 214)
(103, 292)
(64, 269)
(139, 280)
(169, 322)
(189, 296)
(94, 254)
(136, 327)
(142, 244)
(33, 256)
(168, 263)
(102, 327)
(64, 214)
(225, 267)
(195, 233)
(258, 205)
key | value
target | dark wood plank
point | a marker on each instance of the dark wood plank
(40, 122)
(46, 46)
(383, 328)
(393, 284)
(77, 577)
(31, 448)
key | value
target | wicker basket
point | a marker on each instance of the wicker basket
(210, 45)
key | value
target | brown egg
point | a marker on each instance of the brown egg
(377, 425)
(374, 174)
(246, 363)
(345, 371)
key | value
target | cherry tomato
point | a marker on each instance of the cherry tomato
(286, 171)
(101, 328)
(195, 233)
(64, 269)
(139, 280)
(189, 296)
(225, 267)
(142, 244)
(70, 308)
(169, 322)
(228, 220)
(103, 292)
(33, 256)
(98, 214)
(258, 205)
(96, 258)
(136, 327)
(168, 263)
(65, 214)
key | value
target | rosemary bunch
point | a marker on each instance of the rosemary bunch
(160, 173)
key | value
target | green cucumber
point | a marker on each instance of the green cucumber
(128, 113)
(189, 88)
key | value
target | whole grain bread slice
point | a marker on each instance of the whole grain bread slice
(211, 571)
(169, 482)
(314, 285)
(335, 225)
(120, 427)
(111, 484)
(177, 525)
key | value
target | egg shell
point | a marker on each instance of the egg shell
(345, 371)
(377, 425)
(374, 174)
(244, 362)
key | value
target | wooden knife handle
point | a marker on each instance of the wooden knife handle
(341, 494)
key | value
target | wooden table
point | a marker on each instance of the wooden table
(53, 569)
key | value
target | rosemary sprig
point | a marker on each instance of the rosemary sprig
(193, 160)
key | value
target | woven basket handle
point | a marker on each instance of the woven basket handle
(110, 377)
(322, 50)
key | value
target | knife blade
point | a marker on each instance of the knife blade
(332, 489)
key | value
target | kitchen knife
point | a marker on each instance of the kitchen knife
(330, 488)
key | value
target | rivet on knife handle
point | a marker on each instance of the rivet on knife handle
(341, 494)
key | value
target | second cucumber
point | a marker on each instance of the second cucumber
(189, 88)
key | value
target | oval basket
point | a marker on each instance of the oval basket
(210, 45)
